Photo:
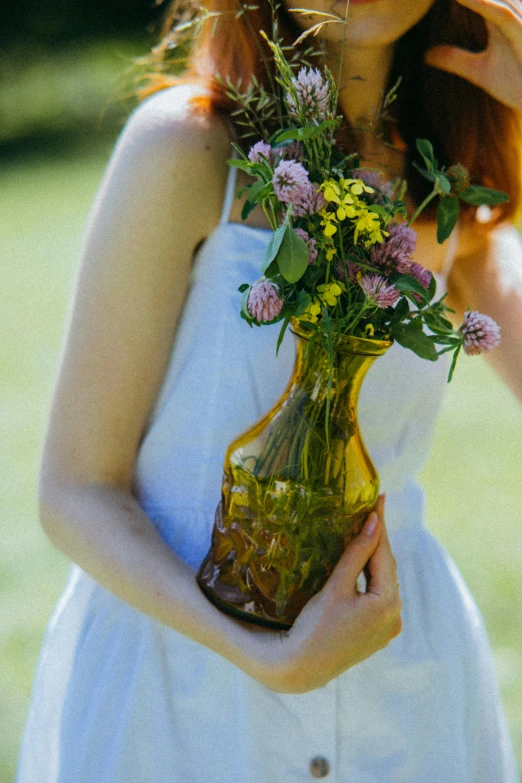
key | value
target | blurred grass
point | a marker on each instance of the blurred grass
(73, 91)
(472, 477)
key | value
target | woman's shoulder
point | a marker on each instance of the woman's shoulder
(173, 119)
(170, 149)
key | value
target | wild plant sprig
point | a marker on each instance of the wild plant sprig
(341, 255)
(451, 185)
(255, 105)
(243, 10)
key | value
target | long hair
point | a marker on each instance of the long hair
(464, 123)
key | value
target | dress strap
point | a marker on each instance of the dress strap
(230, 190)
(451, 251)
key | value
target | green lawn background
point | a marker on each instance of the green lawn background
(472, 478)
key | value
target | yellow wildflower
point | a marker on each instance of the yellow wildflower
(312, 312)
(346, 210)
(329, 293)
(344, 194)
(334, 193)
(330, 252)
(329, 228)
(327, 221)
(331, 190)
(369, 222)
(357, 186)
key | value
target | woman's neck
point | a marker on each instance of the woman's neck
(362, 86)
(362, 81)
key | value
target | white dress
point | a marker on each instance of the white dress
(120, 698)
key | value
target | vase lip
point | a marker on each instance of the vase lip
(347, 343)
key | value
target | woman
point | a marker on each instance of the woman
(140, 678)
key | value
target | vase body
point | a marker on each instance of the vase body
(291, 500)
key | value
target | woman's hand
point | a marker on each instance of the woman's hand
(498, 69)
(341, 626)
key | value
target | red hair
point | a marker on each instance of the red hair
(464, 123)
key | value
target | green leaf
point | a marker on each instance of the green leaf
(378, 209)
(239, 151)
(447, 349)
(454, 363)
(409, 283)
(273, 246)
(282, 331)
(278, 136)
(401, 311)
(240, 164)
(255, 190)
(415, 340)
(242, 191)
(289, 135)
(303, 300)
(425, 148)
(244, 299)
(272, 270)
(292, 257)
(447, 216)
(443, 184)
(248, 320)
(301, 133)
(246, 209)
(477, 195)
(243, 287)
(441, 339)
(438, 324)
(425, 173)
(432, 288)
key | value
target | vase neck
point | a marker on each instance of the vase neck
(313, 365)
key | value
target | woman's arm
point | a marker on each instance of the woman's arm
(161, 196)
(487, 276)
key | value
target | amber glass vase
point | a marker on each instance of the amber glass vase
(291, 501)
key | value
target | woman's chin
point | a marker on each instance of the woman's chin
(370, 22)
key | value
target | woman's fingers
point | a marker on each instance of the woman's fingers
(498, 68)
(494, 10)
(461, 62)
(381, 569)
(345, 574)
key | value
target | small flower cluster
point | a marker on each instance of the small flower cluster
(481, 333)
(311, 96)
(293, 151)
(341, 257)
(328, 295)
(264, 302)
(397, 249)
(292, 185)
(344, 202)
(378, 291)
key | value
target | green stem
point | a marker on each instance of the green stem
(421, 207)
(341, 245)
(270, 217)
(359, 316)
(342, 47)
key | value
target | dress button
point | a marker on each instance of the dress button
(319, 767)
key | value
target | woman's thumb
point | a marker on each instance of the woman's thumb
(357, 554)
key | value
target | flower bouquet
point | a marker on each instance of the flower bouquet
(339, 272)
